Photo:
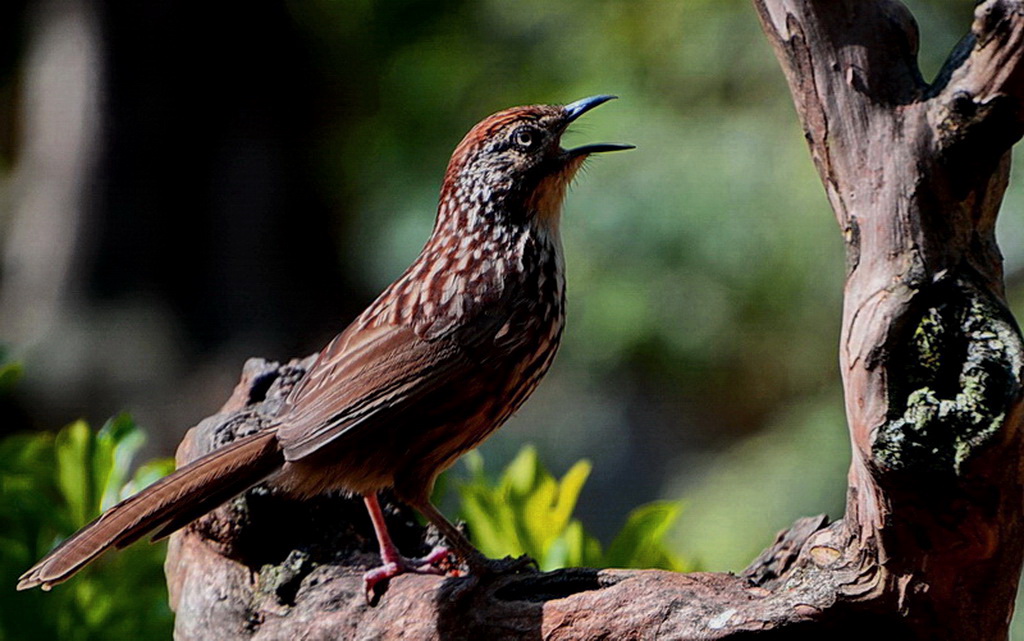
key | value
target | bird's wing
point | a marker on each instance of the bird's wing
(364, 376)
(368, 375)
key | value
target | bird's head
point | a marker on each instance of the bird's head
(512, 166)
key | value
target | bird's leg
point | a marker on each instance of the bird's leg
(392, 561)
(478, 563)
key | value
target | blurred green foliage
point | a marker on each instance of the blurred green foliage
(51, 485)
(10, 371)
(796, 467)
(529, 511)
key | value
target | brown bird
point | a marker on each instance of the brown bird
(438, 362)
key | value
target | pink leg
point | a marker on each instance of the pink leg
(392, 561)
(388, 550)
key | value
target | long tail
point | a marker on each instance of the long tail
(169, 504)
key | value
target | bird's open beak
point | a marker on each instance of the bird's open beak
(575, 110)
(580, 107)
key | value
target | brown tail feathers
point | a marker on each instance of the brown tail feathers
(168, 504)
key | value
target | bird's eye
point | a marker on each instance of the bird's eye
(525, 138)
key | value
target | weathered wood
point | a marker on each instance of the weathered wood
(931, 546)
(930, 356)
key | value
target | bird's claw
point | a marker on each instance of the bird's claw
(375, 580)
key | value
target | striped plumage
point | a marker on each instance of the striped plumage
(432, 367)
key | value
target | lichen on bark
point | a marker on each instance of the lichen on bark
(282, 581)
(950, 382)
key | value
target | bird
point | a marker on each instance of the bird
(441, 359)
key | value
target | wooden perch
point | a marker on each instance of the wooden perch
(932, 542)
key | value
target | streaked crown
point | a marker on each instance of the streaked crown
(512, 164)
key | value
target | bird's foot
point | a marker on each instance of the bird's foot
(375, 580)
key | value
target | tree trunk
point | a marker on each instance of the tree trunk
(931, 545)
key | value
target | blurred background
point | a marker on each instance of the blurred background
(184, 185)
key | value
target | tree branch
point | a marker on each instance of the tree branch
(930, 356)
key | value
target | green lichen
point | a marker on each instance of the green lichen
(950, 384)
(928, 341)
(282, 581)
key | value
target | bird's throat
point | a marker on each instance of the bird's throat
(546, 200)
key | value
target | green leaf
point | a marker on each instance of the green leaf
(10, 374)
(569, 493)
(74, 446)
(640, 542)
(148, 473)
(118, 441)
(521, 474)
(49, 486)
(529, 511)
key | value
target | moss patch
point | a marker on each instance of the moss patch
(282, 581)
(950, 383)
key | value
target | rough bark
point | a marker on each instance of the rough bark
(932, 543)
